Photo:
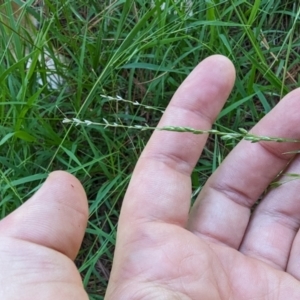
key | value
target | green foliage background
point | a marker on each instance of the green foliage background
(135, 50)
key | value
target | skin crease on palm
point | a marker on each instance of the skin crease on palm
(164, 250)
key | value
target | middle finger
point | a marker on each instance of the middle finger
(222, 210)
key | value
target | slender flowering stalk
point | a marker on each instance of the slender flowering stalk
(243, 134)
(136, 103)
(288, 177)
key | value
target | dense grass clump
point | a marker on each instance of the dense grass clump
(123, 61)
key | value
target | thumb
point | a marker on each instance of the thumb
(55, 217)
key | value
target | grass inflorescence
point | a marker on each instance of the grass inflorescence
(243, 134)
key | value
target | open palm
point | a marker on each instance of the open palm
(218, 250)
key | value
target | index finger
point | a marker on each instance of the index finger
(160, 188)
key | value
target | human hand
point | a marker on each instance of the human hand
(39, 240)
(163, 252)
(218, 250)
